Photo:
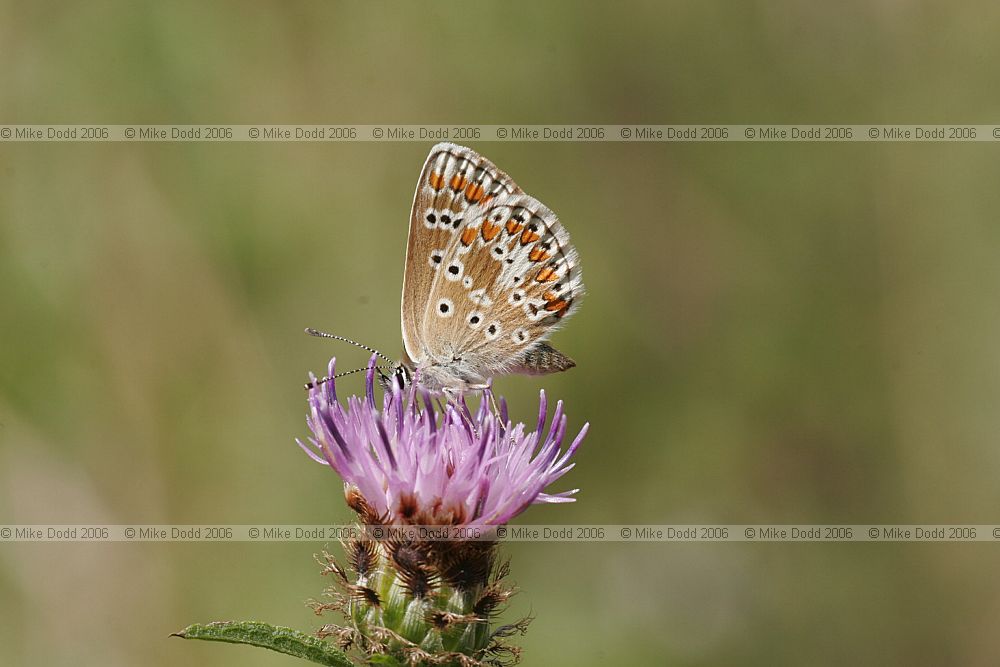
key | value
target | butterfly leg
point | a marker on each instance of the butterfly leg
(455, 398)
(487, 390)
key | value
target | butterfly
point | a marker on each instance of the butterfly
(490, 274)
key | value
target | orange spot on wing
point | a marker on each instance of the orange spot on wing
(490, 230)
(436, 181)
(486, 200)
(474, 192)
(458, 182)
(468, 236)
(513, 226)
(548, 274)
(538, 255)
(553, 306)
(550, 296)
(528, 236)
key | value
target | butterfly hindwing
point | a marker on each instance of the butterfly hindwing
(453, 181)
(506, 282)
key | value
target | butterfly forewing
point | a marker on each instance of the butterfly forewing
(453, 181)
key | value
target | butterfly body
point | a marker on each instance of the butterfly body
(454, 376)
(490, 274)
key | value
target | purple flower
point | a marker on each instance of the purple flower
(409, 463)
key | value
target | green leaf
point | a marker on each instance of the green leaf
(282, 640)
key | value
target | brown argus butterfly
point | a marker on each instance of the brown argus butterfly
(490, 274)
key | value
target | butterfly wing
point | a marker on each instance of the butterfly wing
(453, 180)
(505, 283)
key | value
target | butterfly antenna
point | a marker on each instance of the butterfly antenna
(323, 334)
(311, 385)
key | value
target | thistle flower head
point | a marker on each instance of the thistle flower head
(417, 462)
(408, 463)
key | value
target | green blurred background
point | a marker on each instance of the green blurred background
(774, 333)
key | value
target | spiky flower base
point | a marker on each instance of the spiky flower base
(414, 602)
